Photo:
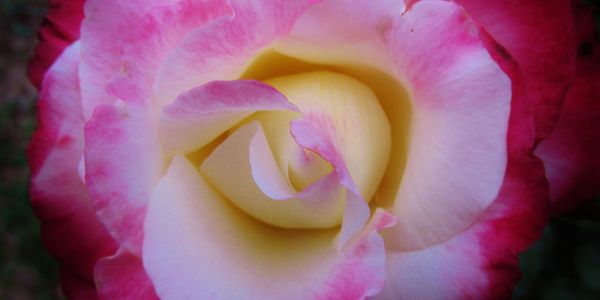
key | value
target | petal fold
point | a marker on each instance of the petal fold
(202, 114)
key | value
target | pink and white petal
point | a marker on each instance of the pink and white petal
(59, 29)
(224, 48)
(75, 288)
(105, 27)
(343, 283)
(153, 38)
(230, 162)
(482, 261)
(316, 133)
(123, 163)
(62, 85)
(543, 46)
(121, 277)
(184, 238)
(356, 215)
(336, 32)
(570, 153)
(457, 153)
(70, 229)
(200, 115)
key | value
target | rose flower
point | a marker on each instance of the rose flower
(295, 149)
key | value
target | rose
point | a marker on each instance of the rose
(59, 143)
(465, 89)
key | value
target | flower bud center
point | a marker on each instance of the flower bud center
(282, 180)
(357, 125)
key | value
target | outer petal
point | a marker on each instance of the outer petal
(153, 38)
(102, 34)
(457, 150)
(59, 30)
(316, 132)
(481, 262)
(121, 277)
(76, 288)
(539, 35)
(70, 229)
(571, 152)
(118, 132)
(123, 163)
(186, 237)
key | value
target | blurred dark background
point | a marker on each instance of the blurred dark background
(563, 264)
(26, 270)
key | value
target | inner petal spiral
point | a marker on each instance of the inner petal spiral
(351, 111)
(284, 184)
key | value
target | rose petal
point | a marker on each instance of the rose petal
(76, 288)
(457, 151)
(70, 229)
(222, 49)
(123, 163)
(481, 262)
(570, 153)
(184, 238)
(121, 277)
(153, 38)
(336, 32)
(203, 113)
(540, 37)
(102, 33)
(59, 30)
